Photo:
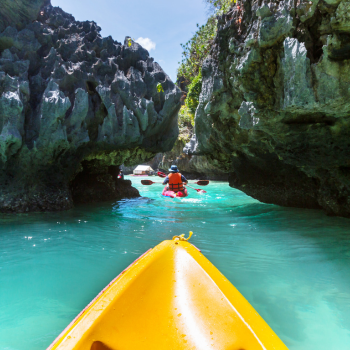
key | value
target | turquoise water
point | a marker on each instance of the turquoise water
(292, 265)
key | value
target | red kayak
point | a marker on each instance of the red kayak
(172, 194)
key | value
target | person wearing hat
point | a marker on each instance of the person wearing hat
(176, 180)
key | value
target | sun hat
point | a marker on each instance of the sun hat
(174, 169)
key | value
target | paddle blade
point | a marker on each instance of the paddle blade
(147, 182)
(160, 174)
(200, 191)
(202, 182)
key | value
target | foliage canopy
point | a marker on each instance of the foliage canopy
(195, 51)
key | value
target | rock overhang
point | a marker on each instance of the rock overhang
(274, 108)
(70, 96)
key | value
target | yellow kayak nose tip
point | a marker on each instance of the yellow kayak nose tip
(170, 298)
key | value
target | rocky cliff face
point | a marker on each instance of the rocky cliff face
(275, 104)
(73, 107)
(192, 166)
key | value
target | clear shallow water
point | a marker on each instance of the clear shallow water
(292, 265)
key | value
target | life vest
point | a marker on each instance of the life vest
(175, 182)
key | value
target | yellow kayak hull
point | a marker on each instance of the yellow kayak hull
(170, 298)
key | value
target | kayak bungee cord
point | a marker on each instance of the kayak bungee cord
(182, 237)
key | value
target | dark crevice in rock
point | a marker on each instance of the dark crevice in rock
(313, 43)
(343, 52)
(98, 184)
(91, 87)
(309, 34)
(96, 115)
(316, 118)
(267, 181)
(340, 54)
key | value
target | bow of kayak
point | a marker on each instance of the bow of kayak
(170, 298)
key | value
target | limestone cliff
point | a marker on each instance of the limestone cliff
(275, 103)
(192, 166)
(73, 107)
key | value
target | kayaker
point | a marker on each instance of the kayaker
(121, 175)
(175, 180)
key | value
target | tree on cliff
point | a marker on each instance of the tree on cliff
(195, 51)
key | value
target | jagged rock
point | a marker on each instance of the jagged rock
(72, 101)
(275, 103)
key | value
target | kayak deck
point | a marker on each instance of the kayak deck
(172, 194)
(171, 298)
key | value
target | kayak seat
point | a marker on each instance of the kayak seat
(97, 345)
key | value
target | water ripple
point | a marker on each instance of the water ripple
(291, 264)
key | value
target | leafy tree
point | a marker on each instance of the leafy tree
(194, 91)
(220, 6)
(195, 51)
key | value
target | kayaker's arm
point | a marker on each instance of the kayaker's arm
(183, 179)
(166, 180)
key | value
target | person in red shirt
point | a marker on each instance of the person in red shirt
(121, 175)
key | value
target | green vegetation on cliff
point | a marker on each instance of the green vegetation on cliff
(188, 110)
(194, 91)
(195, 51)
(198, 47)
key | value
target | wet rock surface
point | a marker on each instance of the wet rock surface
(275, 104)
(68, 98)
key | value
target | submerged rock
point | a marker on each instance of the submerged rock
(73, 107)
(275, 104)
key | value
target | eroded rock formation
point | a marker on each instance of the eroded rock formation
(275, 103)
(73, 107)
(192, 166)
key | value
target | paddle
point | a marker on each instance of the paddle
(149, 182)
(197, 189)
(199, 182)
(202, 182)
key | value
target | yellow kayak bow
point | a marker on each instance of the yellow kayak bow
(171, 298)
